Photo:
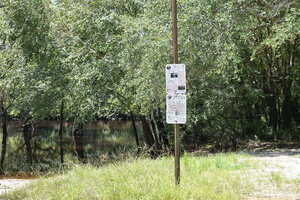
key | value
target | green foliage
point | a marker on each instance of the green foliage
(103, 58)
(243, 67)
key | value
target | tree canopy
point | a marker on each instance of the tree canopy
(106, 58)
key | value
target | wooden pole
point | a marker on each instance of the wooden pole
(175, 32)
(177, 155)
(175, 61)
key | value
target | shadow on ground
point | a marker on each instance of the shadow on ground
(275, 152)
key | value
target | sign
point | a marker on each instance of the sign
(176, 93)
(175, 79)
(176, 109)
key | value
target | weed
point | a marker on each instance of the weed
(278, 179)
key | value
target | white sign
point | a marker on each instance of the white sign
(175, 79)
(176, 109)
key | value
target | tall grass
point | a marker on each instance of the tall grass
(210, 178)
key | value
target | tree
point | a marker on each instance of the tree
(42, 77)
(89, 36)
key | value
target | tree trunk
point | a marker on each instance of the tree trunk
(296, 110)
(4, 138)
(162, 128)
(147, 133)
(155, 132)
(79, 143)
(149, 137)
(286, 110)
(273, 114)
(135, 130)
(27, 135)
(61, 127)
(287, 107)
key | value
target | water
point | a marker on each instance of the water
(100, 137)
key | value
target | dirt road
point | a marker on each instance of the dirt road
(278, 175)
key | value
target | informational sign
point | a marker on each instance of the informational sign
(176, 94)
(175, 79)
(176, 109)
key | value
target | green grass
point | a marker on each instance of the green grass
(278, 179)
(296, 182)
(283, 183)
(208, 178)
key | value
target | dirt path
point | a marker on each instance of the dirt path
(7, 185)
(277, 176)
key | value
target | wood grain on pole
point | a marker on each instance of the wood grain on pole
(175, 32)
(175, 61)
(177, 155)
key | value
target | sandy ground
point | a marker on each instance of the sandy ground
(7, 185)
(277, 176)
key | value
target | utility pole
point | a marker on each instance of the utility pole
(175, 61)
